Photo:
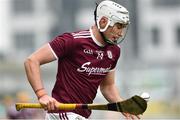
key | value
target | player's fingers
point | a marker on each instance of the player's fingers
(132, 117)
(56, 105)
(138, 117)
(48, 106)
(126, 115)
(44, 106)
(51, 103)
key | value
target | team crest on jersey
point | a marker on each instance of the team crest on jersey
(109, 54)
(100, 54)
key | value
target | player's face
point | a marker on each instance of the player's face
(115, 32)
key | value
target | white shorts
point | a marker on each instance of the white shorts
(64, 116)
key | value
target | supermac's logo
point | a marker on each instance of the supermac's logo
(93, 70)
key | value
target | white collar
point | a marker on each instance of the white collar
(95, 40)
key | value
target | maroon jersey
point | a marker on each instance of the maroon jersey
(82, 64)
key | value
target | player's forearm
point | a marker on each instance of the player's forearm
(111, 93)
(32, 68)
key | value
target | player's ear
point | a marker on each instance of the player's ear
(103, 22)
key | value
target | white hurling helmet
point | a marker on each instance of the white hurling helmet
(115, 13)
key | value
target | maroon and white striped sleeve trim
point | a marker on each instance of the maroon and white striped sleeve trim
(53, 52)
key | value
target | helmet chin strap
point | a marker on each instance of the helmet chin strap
(105, 39)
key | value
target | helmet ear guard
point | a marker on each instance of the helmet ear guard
(103, 29)
(115, 14)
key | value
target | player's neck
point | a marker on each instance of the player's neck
(97, 35)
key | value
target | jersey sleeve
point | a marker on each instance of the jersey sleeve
(62, 45)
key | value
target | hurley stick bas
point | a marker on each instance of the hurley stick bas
(135, 105)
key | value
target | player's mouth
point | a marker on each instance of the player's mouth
(114, 38)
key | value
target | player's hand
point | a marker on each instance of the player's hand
(131, 117)
(48, 103)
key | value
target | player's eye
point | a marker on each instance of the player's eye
(121, 26)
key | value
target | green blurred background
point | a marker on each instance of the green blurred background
(149, 62)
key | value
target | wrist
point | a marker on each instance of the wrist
(40, 92)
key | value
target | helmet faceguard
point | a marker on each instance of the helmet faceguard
(115, 14)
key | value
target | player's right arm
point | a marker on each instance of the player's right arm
(32, 66)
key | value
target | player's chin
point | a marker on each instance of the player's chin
(114, 38)
(114, 41)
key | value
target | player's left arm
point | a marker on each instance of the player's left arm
(109, 89)
(111, 92)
